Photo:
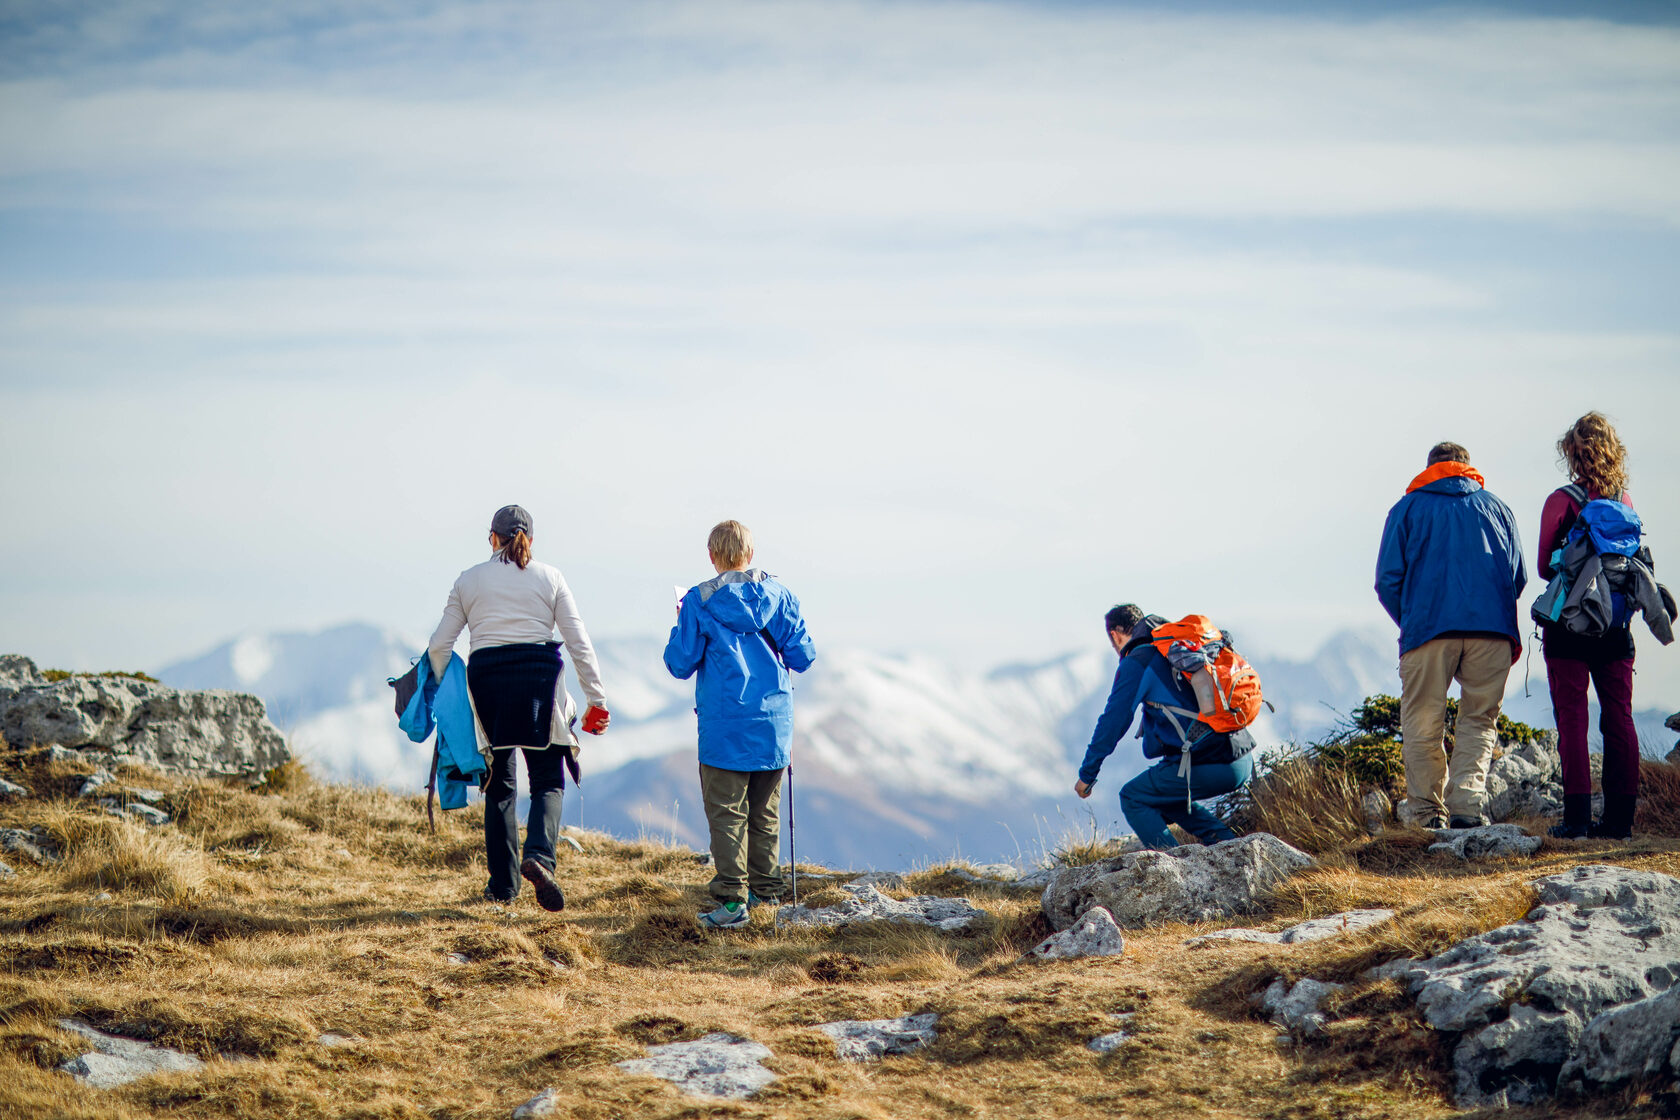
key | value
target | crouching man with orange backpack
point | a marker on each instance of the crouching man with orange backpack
(1197, 697)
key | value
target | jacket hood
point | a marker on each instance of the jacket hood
(741, 601)
(1457, 486)
(1446, 472)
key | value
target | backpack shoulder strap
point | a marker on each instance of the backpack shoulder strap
(1577, 493)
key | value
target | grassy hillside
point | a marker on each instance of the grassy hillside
(258, 921)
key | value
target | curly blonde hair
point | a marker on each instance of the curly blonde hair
(1594, 455)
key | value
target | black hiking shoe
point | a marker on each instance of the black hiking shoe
(1467, 822)
(1617, 823)
(549, 894)
(1577, 817)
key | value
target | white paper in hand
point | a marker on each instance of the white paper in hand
(681, 591)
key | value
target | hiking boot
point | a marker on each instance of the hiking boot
(1577, 817)
(1476, 821)
(549, 894)
(754, 900)
(728, 915)
(1617, 823)
(500, 899)
(1434, 822)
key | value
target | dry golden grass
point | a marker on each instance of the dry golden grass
(262, 919)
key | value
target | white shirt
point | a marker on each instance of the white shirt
(502, 605)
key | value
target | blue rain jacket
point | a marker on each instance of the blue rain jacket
(1451, 562)
(742, 632)
(1143, 676)
(444, 706)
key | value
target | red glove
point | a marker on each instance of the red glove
(595, 720)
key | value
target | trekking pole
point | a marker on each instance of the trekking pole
(793, 846)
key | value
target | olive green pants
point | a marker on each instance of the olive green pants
(743, 808)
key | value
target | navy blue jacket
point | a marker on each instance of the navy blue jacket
(1144, 675)
(1451, 562)
(742, 632)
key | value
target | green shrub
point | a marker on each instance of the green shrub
(55, 675)
(1378, 717)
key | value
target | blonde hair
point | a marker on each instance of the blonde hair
(1594, 455)
(730, 544)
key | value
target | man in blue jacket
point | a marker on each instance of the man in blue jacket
(1165, 793)
(742, 632)
(1449, 573)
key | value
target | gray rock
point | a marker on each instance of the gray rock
(146, 813)
(1673, 722)
(1520, 997)
(1296, 1009)
(1095, 934)
(6, 871)
(117, 1061)
(718, 1065)
(1378, 810)
(870, 905)
(459, 958)
(211, 734)
(1191, 883)
(880, 880)
(12, 789)
(1107, 1043)
(1490, 841)
(18, 671)
(1525, 779)
(94, 781)
(36, 845)
(332, 1040)
(1404, 969)
(543, 1104)
(57, 752)
(149, 796)
(1038, 880)
(1637, 1039)
(1315, 929)
(868, 1040)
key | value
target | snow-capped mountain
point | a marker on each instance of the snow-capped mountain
(898, 758)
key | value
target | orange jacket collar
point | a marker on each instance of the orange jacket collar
(1447, 469)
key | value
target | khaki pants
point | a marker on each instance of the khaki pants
(1480, 665)
(743, 808)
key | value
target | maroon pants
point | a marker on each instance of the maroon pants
(1613, 681)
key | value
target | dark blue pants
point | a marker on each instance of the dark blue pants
(1156, 798)
(546, 770)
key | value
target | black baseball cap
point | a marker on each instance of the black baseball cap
(510, 520)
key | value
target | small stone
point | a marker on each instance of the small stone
(332, 1039)
(342, 853)
(12, 789)
(544, 1103)
(1297, 1008)
(1377, 809)
(881, 880)
(149, 796)
(1317, 929)
(1095, 934)
(870, 905)
(1104, 1043)
(459, 958)
(116, 1061)
(868, 1040)
(148, 814)
(102, 896)
(1490, 841)
(94, 782)
(6, 871)
(35, 845)
(717, 1065)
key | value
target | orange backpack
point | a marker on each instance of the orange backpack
(1227, 689)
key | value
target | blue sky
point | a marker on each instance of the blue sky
(984, 315)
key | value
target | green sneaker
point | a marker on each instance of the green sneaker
(728, 915)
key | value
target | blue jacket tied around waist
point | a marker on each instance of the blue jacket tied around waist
(1451, 562)
(445, 706)
(742, 633)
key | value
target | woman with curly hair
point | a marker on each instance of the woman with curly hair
(1596, 460)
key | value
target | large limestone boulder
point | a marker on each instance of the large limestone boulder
(1191, 883)
(213, 733)
(1559, 990)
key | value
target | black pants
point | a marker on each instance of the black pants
(546, 770)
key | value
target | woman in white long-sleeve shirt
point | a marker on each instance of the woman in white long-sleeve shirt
(511, 605)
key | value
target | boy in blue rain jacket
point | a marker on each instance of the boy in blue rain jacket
(742, 632)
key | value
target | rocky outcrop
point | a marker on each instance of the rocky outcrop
(1191, 883)
(869, 905)
(1525, 779)
(868, 1040)
(1640, 1039)
(1490, 841)
(1558, 990)
(1093, 935)
(213, 734)
(718, 1065)
(115, 1061)
(1315, 929)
